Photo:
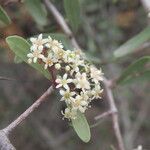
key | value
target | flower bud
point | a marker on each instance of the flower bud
(67, 68)
(57, 66)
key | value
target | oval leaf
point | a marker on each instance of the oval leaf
(81, 127)
(4, 18)
(17, 60)
(134, 69)
(21, 48)
(133, 44)
(72, 9)
(37, 11)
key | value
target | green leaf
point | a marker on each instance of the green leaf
(17, 60)
(134, 69)
(72, 9)
(21, 48)
(81, 127)
(144, 76)
(133, 44)
(4, 18)
(37, 11)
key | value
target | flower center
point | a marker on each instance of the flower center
(77, 103)
(60, 54)
(36, 53)
(67, 95)
(38, 42)
(64, 82)
(49, 61)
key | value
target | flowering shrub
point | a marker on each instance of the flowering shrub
(78, 80)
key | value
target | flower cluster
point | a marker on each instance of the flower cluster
(78, 80)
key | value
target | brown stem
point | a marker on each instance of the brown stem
(60, 20)
(115, 119)
(105, 114)
(53, 74)
(24, 115)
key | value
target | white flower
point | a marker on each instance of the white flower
(67, 95)
(96, 74)
(59, 54)
(53, 44)
(70, 114)
(81, 81)
(76, 63)
(85, 95)
(66, 56)
(79, 103)
(57, 66)
(75, 68)
(63, 82)
(49, 61)
(97, 92)
(49, 40)
(71, 56)
(37, 43)
(67, 68)
(35, 55)
(86, 67)
(78, 52)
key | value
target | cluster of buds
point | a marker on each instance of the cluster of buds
(79, 81)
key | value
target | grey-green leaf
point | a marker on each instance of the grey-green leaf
(4, 18)
(37, 11)
(21, 48)
(17, 60)
(133, 44)
(134, 69)
(81, 127)
(72, 9)
(142, 77)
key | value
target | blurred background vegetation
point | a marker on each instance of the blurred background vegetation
(104, 25)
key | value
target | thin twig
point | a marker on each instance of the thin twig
(115, 120)
(105, 114)
(101, 118)
(5, 143)
(61, 21)
(24, 115)
(5, 78)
